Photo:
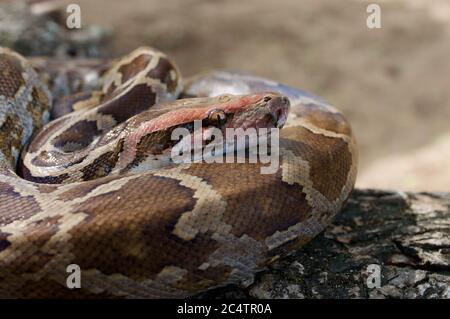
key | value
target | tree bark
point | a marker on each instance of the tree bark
(406, 234)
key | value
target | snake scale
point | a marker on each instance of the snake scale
(87, 179)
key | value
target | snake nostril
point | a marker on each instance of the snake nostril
(267, 98)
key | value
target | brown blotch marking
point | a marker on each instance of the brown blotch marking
(77, 137)
(103, 164)
(162, 73)
(11, 133)
(15, 206)
(11, 75)
(329, 158)
(138, 99)
(134, 227)
(132, 68)
(265, 204)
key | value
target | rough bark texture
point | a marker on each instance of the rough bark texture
(406, 234)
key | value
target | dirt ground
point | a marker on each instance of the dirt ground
(392, 83)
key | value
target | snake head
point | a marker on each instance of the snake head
(203, 119)
(262, 110)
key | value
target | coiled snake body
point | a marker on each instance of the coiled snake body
(96, 187)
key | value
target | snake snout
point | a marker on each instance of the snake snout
(278, 107)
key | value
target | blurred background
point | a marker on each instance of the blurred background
(392, 83)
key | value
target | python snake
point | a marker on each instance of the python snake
(96, 186)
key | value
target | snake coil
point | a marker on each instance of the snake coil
(87, 188)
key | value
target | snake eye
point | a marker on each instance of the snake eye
(217, 117)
